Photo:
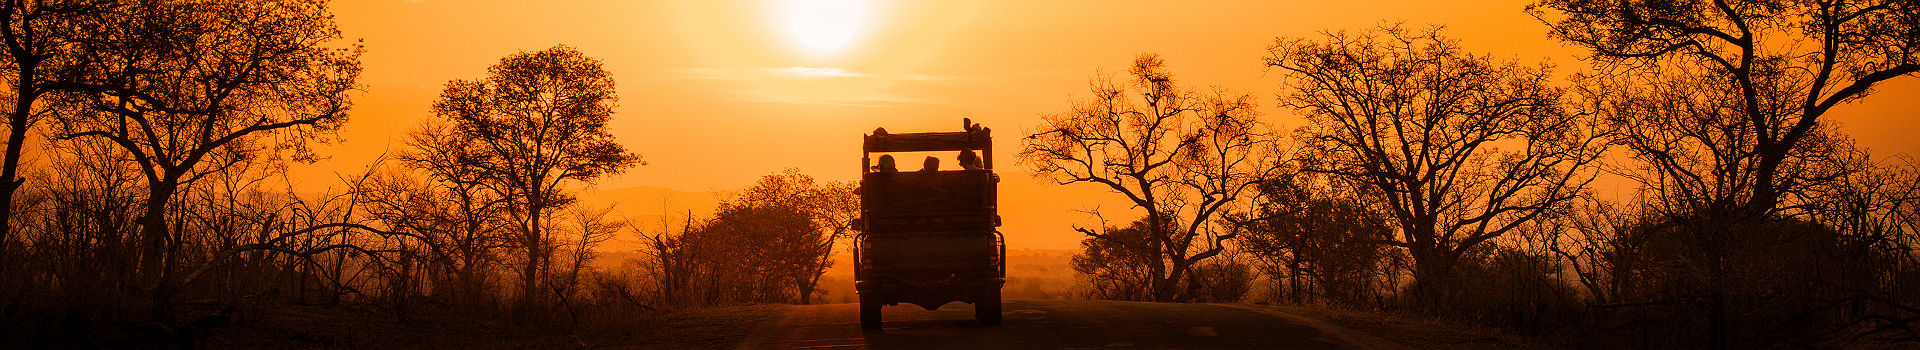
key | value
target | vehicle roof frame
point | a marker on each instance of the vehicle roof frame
(880, 141)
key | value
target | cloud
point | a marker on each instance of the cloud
(797, 73)
(820, 86)
(816, 72)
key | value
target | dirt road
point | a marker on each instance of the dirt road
(1053, 325)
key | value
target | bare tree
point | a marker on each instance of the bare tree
(671, 266)
(1873, 205)
(37, 37)
(1604, 243)
(1182, 157)
(1694, 154)
(1458, 148)
(1725, 101)
(85, 225)
(453, 205)
(464, 221)
(536, 123)
(590, 228)
(188, 89)
(1776, 68)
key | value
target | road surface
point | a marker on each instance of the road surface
(1084, 324)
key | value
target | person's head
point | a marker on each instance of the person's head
(968, 160)
(886, 163)
(931, 164)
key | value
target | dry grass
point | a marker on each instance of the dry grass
(336, 327)
(341, 327)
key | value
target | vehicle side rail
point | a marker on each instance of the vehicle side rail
(1000, 242)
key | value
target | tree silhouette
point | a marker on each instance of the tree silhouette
(1117, 264)
(762, 250)
(771, 242)
(1723, 102)
(831, 206)
(454, 206)
(188, 89)
(536, 123)
(39, 37)
(1183, 157)
(671, 265)
(1458, 148)
(591, 228)
(1774, 67)
(1311, 229)
(465, 221)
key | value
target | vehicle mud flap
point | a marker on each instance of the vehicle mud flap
(987, 307)
(869, 311)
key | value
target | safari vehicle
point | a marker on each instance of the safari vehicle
(928, 237)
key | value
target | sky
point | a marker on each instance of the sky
(714, 94)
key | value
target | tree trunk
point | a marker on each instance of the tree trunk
(1171, 291)
(1162, 282)
(10, 182)
(402, 287)
(1293, 278)
(531, 242)
(813, 279)
(806, 290)
(530, 274)
(156, 249)
(1432, 272)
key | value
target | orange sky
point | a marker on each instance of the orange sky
(717, 93)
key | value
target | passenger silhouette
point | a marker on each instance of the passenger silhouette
(886, 164)
(931, 164)
(968, 160)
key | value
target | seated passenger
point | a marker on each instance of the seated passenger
(931, 164)
(968, 160)
(886, 164)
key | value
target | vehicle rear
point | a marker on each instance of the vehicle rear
(928, 237)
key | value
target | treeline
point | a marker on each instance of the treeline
(1433, 179)
(157, 204)
(161, 121)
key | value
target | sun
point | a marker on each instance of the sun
(824, 26)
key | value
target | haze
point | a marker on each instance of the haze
(717, 93)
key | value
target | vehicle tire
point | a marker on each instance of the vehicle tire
(869, 311)
(987, 309)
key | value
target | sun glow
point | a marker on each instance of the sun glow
(824, 26)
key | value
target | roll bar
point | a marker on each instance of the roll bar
(975, 138)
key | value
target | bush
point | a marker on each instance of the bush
(1220, 281)
(1508, 288)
